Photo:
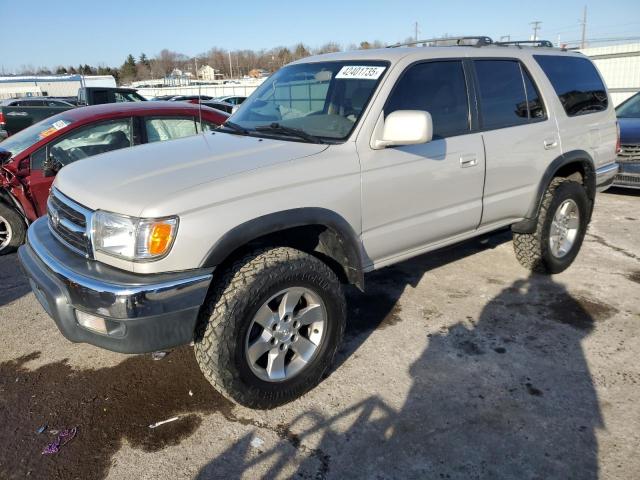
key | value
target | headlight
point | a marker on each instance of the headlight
(133, 238)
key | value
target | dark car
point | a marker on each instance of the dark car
(232, 99)
(163, 98)
(36, 102)
(222, 106)
(190, 98)
(30, 159)
(629, 156)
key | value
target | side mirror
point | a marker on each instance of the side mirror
(51, 166)
(404, 127)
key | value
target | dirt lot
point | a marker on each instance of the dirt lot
(456, 365)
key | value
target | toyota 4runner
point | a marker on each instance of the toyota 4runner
(239, 240)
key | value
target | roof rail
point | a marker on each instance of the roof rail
(479, 41)
(526, 43)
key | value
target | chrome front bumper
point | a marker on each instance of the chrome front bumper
(142, 313)
(629, 175)
(605, 176)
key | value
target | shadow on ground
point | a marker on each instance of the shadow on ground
(630, 192)
(508, 394)
(107, 405)
(13, 283)
(505, 395)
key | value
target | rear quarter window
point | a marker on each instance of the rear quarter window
(576, 82)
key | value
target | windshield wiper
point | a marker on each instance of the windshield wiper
(295, 132)
(235, 127)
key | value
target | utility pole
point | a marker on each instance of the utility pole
(196, 62)
(230, 66)
(584, 27)
(416, 31)
(536, 27)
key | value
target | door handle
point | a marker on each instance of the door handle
(550, 143)
(469, 160)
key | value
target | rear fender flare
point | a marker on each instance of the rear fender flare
(528, 225)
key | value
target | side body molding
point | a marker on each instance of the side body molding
(580, 157)
(338, 238)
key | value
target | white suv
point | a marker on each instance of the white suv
(240, 239)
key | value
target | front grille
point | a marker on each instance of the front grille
(629, 153)
(70, 223)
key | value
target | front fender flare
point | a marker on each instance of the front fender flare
(246, 232)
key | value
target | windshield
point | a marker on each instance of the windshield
(323, 100)
(25, 138)
(630, 108)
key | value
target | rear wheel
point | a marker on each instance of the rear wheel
(12, 229)
(271, 327)
(561, 226)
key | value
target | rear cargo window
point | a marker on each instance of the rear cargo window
(577, 83)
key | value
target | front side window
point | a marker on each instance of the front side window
(576, 82)
(37, 158)
(438, 88)
(121, 97)
(503, 99)
(160, 129)
(324, 100)
(92, 140)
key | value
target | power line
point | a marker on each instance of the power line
(536, 26)
(584, 27)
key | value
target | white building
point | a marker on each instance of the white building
(206, 72)
(620, 67)
(52, 85)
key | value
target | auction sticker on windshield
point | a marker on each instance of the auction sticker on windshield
(360, 72)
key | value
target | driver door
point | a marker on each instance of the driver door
(417, 196)
(78, 144)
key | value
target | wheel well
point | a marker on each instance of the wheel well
(576, 166)
(581, 172)
(317, 240)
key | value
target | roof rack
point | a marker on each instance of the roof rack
(479, 41)
(526, 43)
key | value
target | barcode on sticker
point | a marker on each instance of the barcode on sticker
(59, 125)
(360, 72)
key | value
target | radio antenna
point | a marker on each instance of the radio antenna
(200, 104)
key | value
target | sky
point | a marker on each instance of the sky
(70, 32)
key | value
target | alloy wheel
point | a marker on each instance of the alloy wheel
(6, 233)
(564, 228)
(285, 334)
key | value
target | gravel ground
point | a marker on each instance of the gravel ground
(456, 364)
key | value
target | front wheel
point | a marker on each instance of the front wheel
(12, 229)
(271, 327)
(561, 227)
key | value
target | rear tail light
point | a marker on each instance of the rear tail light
(2, 120)
(618, 146)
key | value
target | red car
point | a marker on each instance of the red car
(30, 159)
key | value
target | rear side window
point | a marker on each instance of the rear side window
(440, 89)
(577, 83)
(508, 96)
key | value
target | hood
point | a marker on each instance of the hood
(629, 131)
(127, 180)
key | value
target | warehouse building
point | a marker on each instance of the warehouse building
(620, 67)
(50, 85)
